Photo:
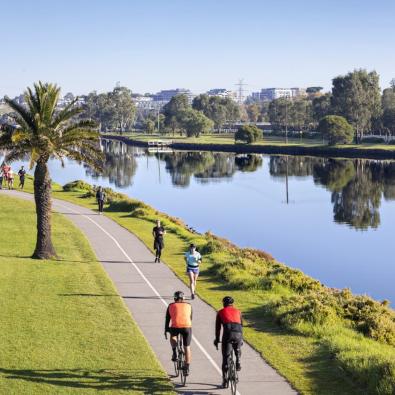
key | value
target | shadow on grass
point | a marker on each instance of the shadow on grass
(104, 379)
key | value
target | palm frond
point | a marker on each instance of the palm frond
(22, 112)
(67, 113)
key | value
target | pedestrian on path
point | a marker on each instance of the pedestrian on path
(4, 172)
(1, 176)
(10, 178)
(158, 232)
(193, 259)
(100, 197)
(21, 174)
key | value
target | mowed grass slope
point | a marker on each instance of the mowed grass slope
(64, 329)
(317, 358)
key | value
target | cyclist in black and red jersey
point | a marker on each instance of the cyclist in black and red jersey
(232, 337)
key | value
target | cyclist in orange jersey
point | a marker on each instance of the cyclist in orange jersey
(179, 322)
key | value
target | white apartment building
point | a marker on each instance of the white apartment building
(269, 94)
(222, 93)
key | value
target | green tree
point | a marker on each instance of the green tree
(112, 110)
(356, 96)
(248, 134)
(388, 105)
(195, 123)
(301, 114)
(219, 109)
(336, 129)
(278, 113)
(173, 111)
(44, 133)
(123, 109)
(253, 111)
(149, 125)
(321, 107)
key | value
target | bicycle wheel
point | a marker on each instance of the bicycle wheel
(182, 369)
(233, 378)
(176, 368)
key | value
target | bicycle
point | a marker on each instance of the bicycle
(180, 363)
(231, 376)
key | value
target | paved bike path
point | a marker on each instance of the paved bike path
(146, 288)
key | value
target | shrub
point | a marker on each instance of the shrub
(373, 140)
(336, 130)
(77, 186)
(248, 133)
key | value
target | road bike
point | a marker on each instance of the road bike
(231, 374)
(180, 366)
(231, 377)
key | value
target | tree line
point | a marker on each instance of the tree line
(204, 114)
(356, 97)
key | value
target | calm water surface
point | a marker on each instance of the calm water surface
(333, 219)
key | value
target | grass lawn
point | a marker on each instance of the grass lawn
(225, 138)
(273, 141)
(301, 359)
(64, 329)
(314, 363)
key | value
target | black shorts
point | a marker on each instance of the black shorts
(186, 334)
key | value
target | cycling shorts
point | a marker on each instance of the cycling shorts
(186, 334)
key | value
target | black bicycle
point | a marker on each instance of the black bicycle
(180, 365)
(231, 377)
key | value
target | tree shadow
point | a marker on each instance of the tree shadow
(103, 379)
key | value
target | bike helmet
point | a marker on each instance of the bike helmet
(178, 295)
(227, 301)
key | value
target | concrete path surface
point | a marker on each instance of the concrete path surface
(146, 288)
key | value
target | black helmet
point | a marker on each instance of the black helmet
(227, 301)
(178, 295)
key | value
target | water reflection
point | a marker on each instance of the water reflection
(120, 163)
(356, 187)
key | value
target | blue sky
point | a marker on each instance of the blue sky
(148, 45)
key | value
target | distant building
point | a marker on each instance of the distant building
(298, 92)
(147, 103)
(269, 94)
(166, 95)
(222, 93)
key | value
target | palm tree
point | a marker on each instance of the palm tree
(44, 132)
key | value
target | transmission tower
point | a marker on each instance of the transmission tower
(240, 90)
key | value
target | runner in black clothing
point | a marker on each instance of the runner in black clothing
(100, 197)
(21, 174)
(158, 232)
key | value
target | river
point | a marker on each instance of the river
(333, 219)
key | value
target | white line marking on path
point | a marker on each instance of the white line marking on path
(202, 349)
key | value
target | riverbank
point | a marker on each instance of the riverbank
(58, 333)
(322, 340)
(268, 145)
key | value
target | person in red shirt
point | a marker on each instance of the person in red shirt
(230, 319)
(179, 314)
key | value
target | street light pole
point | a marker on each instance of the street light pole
(158, 120)
(286, 119)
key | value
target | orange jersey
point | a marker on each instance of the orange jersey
(180, 314)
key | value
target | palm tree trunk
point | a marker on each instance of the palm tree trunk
(42, 196)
